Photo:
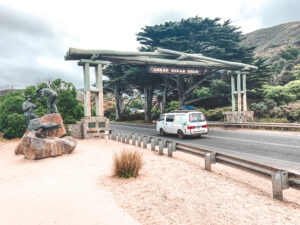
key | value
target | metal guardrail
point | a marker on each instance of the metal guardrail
(281, 179)
(281, 126)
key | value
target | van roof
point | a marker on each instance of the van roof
(184, 111)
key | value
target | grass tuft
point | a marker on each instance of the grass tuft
(127, 164)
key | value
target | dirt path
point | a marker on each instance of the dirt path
(79, 189)
(63, 190)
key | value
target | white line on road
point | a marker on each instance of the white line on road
(257, 142)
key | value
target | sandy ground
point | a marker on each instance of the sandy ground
(79, 189)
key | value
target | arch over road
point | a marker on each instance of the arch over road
(162, 61)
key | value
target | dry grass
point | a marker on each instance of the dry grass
(127, 164)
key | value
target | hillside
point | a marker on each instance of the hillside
(269, 41)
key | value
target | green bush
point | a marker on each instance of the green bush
(215, 114)
(293, 87)
(201, 92)
(11, 104)
(290, 53)
(262, 109)
(280, 94)
(15, 126)
(172, 106)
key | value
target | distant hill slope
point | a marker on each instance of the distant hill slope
(269, 41)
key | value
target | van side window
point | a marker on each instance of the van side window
(170, 118)
(162, 118)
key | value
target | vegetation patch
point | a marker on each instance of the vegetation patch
(127, 163)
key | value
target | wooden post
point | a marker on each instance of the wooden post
(99, 86)
(245, 93)
(160, 147)
(139, 141)
(164, 143)
(173, 146)
(279, 183)
(144, 142)
(170, 149)
(133, 139)
(239, 95)
(123, 137)
(152, 144)
(207, 161)
(232, 93)
(127, 139)
(87, 93)
(210, 158)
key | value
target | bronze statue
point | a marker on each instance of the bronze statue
(28, 108)
(52, 98)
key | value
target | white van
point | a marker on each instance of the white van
(192, 123)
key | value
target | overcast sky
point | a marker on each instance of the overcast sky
(36, 34)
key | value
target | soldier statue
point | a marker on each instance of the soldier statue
(28, 108)
(52, 98)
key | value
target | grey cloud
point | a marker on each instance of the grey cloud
(23, 38)
(279, 11)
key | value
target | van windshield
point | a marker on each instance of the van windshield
(196, 117)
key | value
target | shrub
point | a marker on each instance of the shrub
(280, 94)
(290, 53)
(262, 109)
(127, 164)
(16, 126)
(172, 106)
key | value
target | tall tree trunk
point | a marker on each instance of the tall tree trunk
(148, 93)
(118, 99)
(164, 97)
(181, 97)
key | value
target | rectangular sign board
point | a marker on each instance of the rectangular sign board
(174, 70)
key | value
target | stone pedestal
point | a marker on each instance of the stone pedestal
(55, 118)
(238, 117)
(90, 127)
(39, 148)
(33, 147)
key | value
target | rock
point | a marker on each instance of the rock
(34, 124)
(55, 118)
(39, 148)
(18, 150)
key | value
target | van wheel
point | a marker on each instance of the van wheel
(180, 134)
(161, 132)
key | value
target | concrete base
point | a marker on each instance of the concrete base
(90, 127)
(238, 117)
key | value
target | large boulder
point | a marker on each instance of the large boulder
(55, 118)
(33, 147)
(55, 143)
(18, 150)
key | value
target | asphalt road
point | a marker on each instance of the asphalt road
(282, 146)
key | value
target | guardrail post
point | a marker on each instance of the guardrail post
(210, 158)
(160, 147)
(170, 149)
(164, 143)
(119, 136)
(127, 139)
(113, 137)
(148, 140)
(144, 142)
(152, 144)
(123, 137)
(173, 146)
(156, 141)
(133, 139)
(139, 140)
(279, 183)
